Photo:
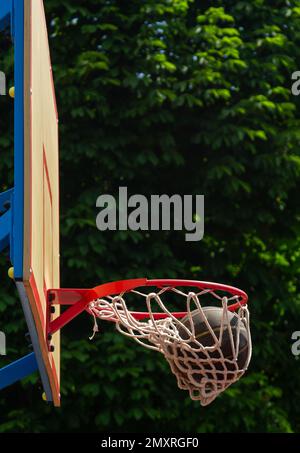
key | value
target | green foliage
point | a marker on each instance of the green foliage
(176, 96)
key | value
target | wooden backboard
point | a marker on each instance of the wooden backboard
(37, 173)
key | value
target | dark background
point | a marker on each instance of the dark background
(188, 97)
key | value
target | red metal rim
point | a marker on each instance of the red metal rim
(123, 286)
(79, 299)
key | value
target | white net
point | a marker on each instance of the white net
(208, 349)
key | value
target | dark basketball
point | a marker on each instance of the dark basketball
(214, 316)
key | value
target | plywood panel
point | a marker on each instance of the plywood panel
(41, 182)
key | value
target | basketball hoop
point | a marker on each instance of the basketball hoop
(208, 348)
(207, 344)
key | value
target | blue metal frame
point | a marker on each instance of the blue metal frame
(12, 201)
(6, 219)
(18, 239)
(12, 14)
(18, 370)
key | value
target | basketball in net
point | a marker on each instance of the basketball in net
(213, 352)
(207, 347)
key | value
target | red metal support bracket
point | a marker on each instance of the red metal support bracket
(79, 300)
